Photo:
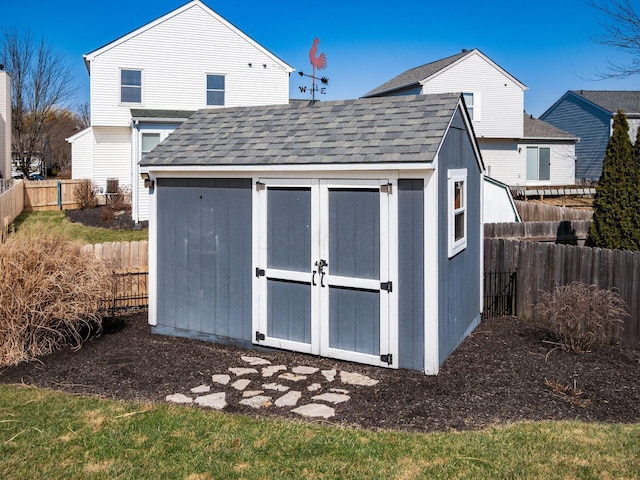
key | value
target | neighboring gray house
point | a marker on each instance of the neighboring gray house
(588, 114)
(348, 229)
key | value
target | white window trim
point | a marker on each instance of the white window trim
(453, 176)
(120, 102)
(206, 90)
(537, 148)
(476, 111)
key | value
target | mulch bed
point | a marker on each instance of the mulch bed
(504, 372)
(105, 217)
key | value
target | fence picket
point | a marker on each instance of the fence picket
(543, 266)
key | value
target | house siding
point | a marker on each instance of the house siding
(204, 241)
(5, 125)
(590, 123)
(501, 99)
(459, 277)
(411, 274)
(175, 57)
(506, 161)
(82, 154)
(112, 156)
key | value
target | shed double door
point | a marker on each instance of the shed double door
(322, 280)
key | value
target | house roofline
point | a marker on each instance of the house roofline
(88, 57)
(484, 57)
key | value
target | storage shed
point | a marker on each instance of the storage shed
(347, 229)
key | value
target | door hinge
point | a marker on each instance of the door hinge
(259, 336)
(260, 186)
(388, 358)
(388, 286)
(259, 272)
(388, 188)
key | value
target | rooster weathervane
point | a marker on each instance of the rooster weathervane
(318, 62)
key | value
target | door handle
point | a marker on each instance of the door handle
(313, 278)
(322, 279)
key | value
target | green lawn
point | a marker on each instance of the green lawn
(46, 434)
(30, 224)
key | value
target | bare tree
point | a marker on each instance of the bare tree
(83, 114)
(41, 82)
(621, 30)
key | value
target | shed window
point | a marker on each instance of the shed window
(215, 90)
(457, 190)
(538, 163)
(130, 86)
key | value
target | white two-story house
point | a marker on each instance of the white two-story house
(516, 148)
(147, 82)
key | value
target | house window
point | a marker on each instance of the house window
(538, 163)
(215, 90)
(457, 189)
(149, 142)
(472, 101)
(131, 86)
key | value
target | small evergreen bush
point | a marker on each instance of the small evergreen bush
(580, 315)
(50, 295)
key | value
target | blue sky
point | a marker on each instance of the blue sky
(549, 47)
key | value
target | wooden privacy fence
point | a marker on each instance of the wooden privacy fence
(538, 212)
(544, 266)
(572, 232)
(50, 195)
(130, 265)
(11, 205)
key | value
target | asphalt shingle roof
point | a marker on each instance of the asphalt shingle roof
(372, 130)
(536, 128)
(613, 100)
(413, 76)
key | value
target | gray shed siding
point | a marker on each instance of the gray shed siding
(204, 242)
(411, 274)
(590, 123)
(459, 276)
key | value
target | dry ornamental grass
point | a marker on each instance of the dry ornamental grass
(50, 296)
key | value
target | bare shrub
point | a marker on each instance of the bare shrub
(106, 214)
(50, 295)
(120, 201)
(580, 315)
(84, 193)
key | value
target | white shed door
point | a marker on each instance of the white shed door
(322, 281)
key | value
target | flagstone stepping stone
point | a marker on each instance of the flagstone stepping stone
(330, 375)
(251, 393)
(239, 371)
(272, 370)
(351, 378)
(256, 361)
(221, 379)
(332, 397)
(340, 390)
(289, 399)
(178, 398)
(275, 386)
(302, 370)
(259, 401)
(292, 377)
(214, 400)
(201, 389)
(241, 384)
(314, 410)
(314, 387)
